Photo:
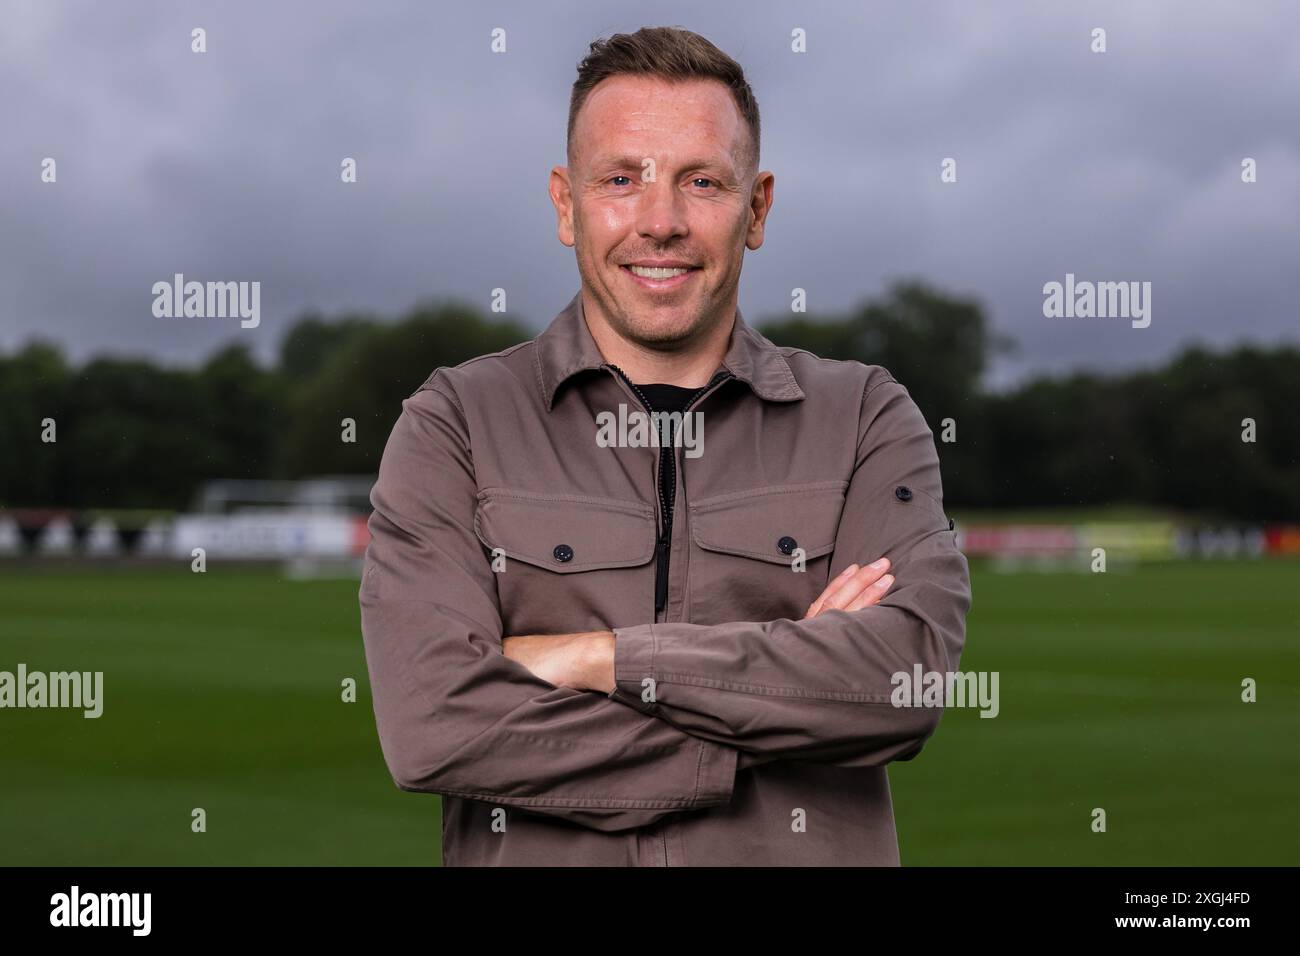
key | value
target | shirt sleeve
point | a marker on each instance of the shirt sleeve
(821, 689)
(455, 715)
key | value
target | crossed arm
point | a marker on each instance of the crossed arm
(585, 660)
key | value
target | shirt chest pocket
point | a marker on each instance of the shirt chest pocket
(762, 554)
(566, 563)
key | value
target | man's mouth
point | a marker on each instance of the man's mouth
(658, 272)
(660, 278)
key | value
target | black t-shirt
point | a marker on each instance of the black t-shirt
(667, 398)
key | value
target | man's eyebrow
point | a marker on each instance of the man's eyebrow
(637, 162)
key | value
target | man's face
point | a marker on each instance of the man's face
(659, 180)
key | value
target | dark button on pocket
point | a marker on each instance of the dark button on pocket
(903, 493)
(563, 552)
(787, 545)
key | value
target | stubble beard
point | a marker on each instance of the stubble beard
(621, 316)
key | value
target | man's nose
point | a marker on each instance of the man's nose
(662, 212)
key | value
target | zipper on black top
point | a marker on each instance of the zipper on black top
(667, 483)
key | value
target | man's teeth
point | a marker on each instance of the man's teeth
(648, 273)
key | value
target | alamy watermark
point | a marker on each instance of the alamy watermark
(208, 300)
(1102, 300)
(76, 908)
(72, 689)
(922, 688)
(632, 428)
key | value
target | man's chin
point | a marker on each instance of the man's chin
(668, 332)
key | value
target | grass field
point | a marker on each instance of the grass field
(1118, 690)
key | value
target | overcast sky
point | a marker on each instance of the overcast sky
(1123, 165)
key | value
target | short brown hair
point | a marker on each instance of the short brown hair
(673, 53)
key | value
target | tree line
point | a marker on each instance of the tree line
(133, 434)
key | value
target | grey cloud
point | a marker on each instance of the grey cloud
(225, 166)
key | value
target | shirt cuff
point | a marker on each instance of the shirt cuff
(634, 656)
(716, 781)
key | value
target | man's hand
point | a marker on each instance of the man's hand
(855, 588)
(582, 661)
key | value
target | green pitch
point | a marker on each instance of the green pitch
(223, 692)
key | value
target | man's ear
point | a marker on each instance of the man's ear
(562, 199)
(760, 204)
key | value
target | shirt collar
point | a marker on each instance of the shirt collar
(566, 347)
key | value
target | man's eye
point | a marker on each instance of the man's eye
(628, 178)
(701, 179)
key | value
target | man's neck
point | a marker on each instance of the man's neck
(691, 365)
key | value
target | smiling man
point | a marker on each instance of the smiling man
(614, 653)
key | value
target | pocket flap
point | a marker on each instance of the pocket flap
(594, 532)
(755, 523)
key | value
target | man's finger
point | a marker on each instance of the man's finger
(871, 594)
(842, 576)
(830, 588)
(847, 592)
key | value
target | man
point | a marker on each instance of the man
(608, 643)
